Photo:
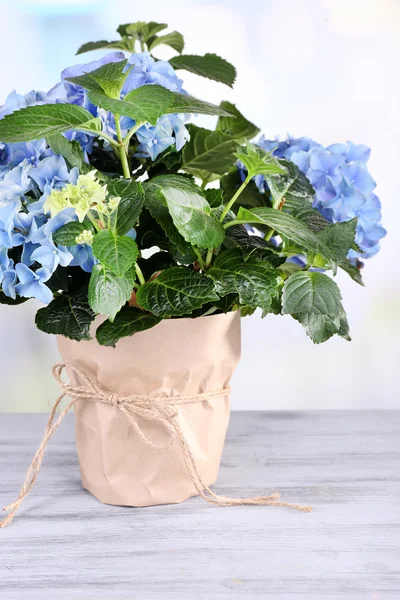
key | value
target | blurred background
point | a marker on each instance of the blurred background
(327, 69)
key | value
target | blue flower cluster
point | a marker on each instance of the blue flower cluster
(30, 171)
(143, 69)
(344, 189)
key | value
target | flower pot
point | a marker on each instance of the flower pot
(176, 359)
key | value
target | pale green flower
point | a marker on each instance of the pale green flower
(87, 194)
(86, 237)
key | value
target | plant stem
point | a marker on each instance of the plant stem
(199, 258)
(209, 257)
(132, 131)
(233, 199)
(101, 134)
(237, 222)
(122, 150)
(140, 274)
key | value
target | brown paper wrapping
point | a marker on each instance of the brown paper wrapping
(176, 357)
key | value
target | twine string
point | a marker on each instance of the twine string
(160, 410)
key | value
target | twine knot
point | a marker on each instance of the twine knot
(160, 410)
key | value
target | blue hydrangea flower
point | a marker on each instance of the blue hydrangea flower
(7, 217)
(31, 153)
(8, 282)
(344, 188)
(83, 257)
(32, 283)
(147, 70)
(50, 256)
(15, 184)
(5, 154)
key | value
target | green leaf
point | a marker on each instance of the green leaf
(189, 210)
(11, 301)
(250, 196)
(175, 292)
(236, 126)
(115, 252)
(210, 66)
(352, 270)
(339, 238)
(89, 46)
(68, 315)
(208, 154)
(174, 40)
(146, 103)
(108, 79)
(131, 203)
(71, 151)
(67, 234)
(157, 206)
(188, 104)
(254, 280)
(128, 321)
(259, 162)
(296, 231)
(293, 186)
(108, 292)
(314, 300)
(142, 30)
(36, 122)
(214, 197)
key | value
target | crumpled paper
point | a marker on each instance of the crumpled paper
(176, 357)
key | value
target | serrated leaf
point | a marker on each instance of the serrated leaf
(259, 162)
(131, 203)
(146, 103)
(188, 104)
(291, 186)
(175, 292)
(254, 280)
(174, 40)
(314, 300)
(293, 229)
(352, 270)
(237, 126)
(108, 79)
(189, 210)
(208, 154)
(128, 321)
(210, 66)
(214, 197)
(108, 292)
(142, 30)
(339, 238)
(67, 315)
(67, 234)
(116, 252)
(89, 46)
(39, 121)
(71, 151)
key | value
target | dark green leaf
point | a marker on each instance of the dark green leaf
(214, 197)
(36, 122)
(292, 186)
(159, 261)
(254, 280)
(11, 301)
(107, 292)
(89, 46)
(352, 270)
(116, 252)
(67, 234)
(157, 206)
(250, 197)
(176, 291)
(67, 315)
(71, 151)
(208, 154)
(210, 66)
(189, 210)
(314, 300)
(174, 40)
(236, 126)
(339, 238)
(259, 162)
(108, 79)
(131, 203)
(127, 322)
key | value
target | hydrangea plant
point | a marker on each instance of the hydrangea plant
(113, 204)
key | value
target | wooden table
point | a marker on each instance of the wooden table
(64, 544)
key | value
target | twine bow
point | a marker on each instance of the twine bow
(159, 410)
